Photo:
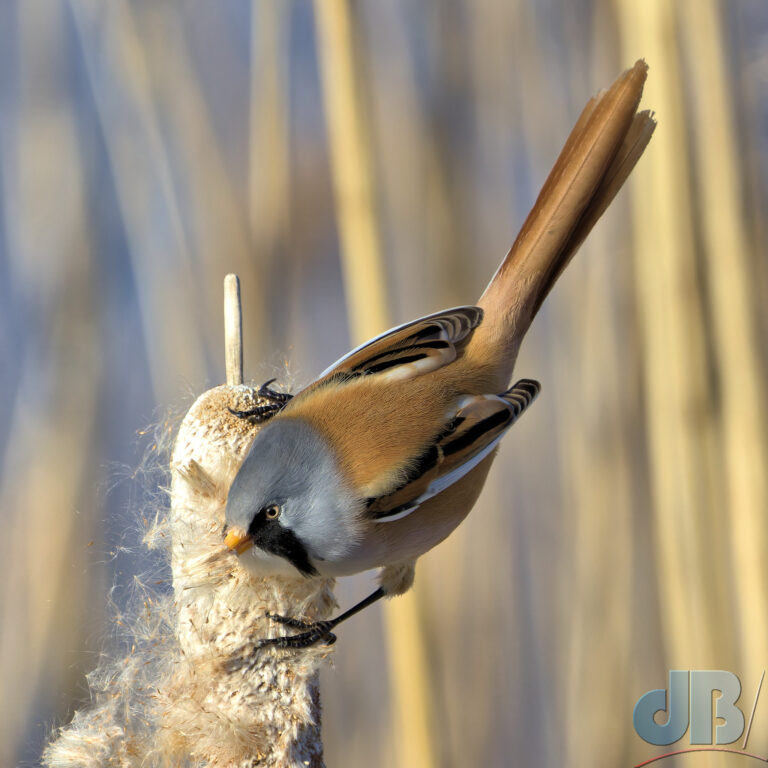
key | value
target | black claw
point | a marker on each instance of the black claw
(259, 413)
(266, 411)
(290, 622)
(266, 391)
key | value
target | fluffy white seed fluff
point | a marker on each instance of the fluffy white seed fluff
(190, 691)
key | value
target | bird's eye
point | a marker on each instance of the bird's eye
(272, 512)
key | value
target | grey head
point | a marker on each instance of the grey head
(290, 498)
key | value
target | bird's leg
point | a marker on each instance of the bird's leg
(276, 402)
(315, 631)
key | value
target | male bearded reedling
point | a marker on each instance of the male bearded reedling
(381, 457)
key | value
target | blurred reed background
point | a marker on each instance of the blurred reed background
(147, 148)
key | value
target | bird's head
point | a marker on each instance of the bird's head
(289, 508)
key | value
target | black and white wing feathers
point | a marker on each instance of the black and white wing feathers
(471, 435)
(408, 350)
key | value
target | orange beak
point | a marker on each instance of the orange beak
(238, 541)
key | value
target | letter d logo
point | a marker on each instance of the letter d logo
(656, 701)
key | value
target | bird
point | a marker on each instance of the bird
(383, 455)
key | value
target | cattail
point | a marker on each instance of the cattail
(193, 688)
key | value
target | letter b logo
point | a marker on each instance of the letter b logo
(703, 683)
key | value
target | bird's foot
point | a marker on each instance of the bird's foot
(266, 391)
(275, 402)
(315, 631)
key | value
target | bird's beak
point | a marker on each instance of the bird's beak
(238, 541)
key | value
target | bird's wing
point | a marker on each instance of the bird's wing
(477, 426)
(409, 350)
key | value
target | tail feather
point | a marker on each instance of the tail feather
(598, 156)
(634, 144)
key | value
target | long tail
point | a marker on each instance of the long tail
(601, 151)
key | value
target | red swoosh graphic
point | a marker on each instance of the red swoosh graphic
(703, 749)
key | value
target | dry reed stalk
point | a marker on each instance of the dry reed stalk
(243, 707)
(732, 304)
(233, 331)
(228, 705)
(353, 173)
(193, 688)
(684, 473)
(598, 489)
(366, 295)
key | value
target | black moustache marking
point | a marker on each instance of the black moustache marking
(273, 538)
